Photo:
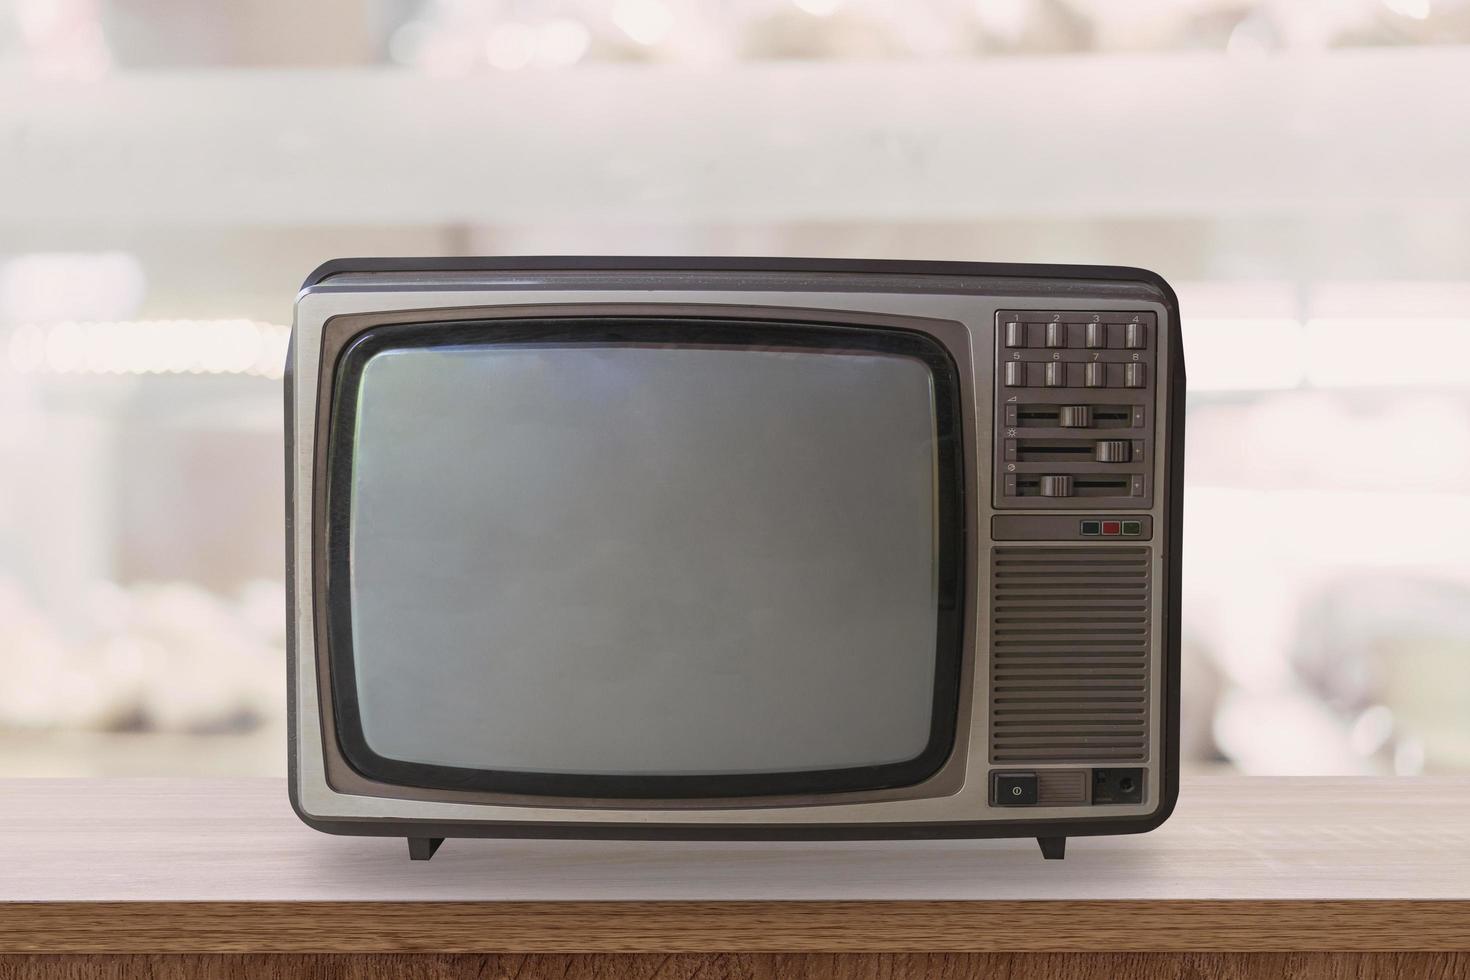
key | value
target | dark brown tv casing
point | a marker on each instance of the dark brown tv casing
(1060, 395)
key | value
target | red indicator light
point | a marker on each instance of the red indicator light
(1112, 527)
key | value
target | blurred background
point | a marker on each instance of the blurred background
(170, 171)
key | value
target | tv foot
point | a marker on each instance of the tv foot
(1052, 848)
(423, 848)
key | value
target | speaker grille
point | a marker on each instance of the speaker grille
(1069, 656)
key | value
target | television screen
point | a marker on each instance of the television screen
(675, 567)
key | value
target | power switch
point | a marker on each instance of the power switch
(1015, 789)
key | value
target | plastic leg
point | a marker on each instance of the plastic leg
(1053, 848)
(423, 848)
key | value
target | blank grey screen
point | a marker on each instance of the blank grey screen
(644, 560)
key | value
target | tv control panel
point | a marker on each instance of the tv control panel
(1074, 411)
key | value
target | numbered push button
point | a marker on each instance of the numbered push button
(1055, 375)
(1056, 334)
(1015, 374)
(1015, 334)
(1135, 336)
(1097, 335)
(1135, 375)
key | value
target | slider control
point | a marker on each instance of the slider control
(1113, 451)
(1056, 486)
(1074, 416)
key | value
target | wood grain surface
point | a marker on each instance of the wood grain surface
(734, 926)
(895, 966)
(492, 927)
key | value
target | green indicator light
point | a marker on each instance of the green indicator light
(1132, 527)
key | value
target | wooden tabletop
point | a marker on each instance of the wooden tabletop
(1244, 864)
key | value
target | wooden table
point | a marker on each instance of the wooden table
(1251, 878)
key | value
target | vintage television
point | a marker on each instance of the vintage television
(733, 549)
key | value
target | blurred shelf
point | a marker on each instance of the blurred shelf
(1133, 135)
(73, 754)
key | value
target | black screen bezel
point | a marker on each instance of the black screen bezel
(645, 330)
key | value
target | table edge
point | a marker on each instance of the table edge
(738, 926)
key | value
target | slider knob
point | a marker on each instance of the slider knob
(1056, 486)
(1075, 416)
(1113, 451)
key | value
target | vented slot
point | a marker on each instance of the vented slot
(1051, 450)
(1060, 787)
(1069, 664)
